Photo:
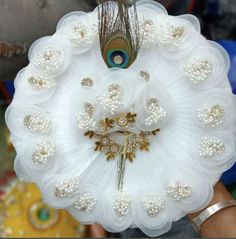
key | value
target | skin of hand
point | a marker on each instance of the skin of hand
(223, 223)
(97, 231)
(220, 225)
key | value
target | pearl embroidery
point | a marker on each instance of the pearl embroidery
(40, 81)
(37, 122)
(51, 59)
(44, 150)
(86, 203)
(80, 35)
(170, 35)
(87, 82)
(211, 116)
(85, 120)
(210, 147)
(148, 31)
(97, 115)
(155, 112)
(121, 204)
(145, 75)
(67, 188)
(153, 206)
(178, 191)
(110, 147)
(198, 70)
(110, 98)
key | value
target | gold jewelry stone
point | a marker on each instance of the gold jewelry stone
(30, 217)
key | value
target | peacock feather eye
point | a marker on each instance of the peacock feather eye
(119, 33)
(118, 58)
(117, 53)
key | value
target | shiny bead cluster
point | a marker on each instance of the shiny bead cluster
(198, 70)
(155, 112)
(148, 31)
(44, 150)
(67, 188)
(40, 81)
(209, 147)
(122, 121)
(87, 82)
(145, 75)
(37, 122)
(110, 98)
(86, 203)
(121, 204)
(51, 59)
(153, 206)
(178, 191)
(211, 116)
(108, 146)
(118, 60)
(79, 35)
(85, 121)
(170, 35)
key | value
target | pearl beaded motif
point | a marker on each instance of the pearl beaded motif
(209, 147)
(44, 151)
(211, 116)
(86, 203)
(37, 122)
(51, 59)
(153, 206)
(198, 70)
(85, 121)
(110, 99)
(67, 188)
(87, 82)
(155, 112)
(121, 204)
(178, 191)
(80, 35)
(170, 35)
(145, 75)
(40, 81)
(148, 31)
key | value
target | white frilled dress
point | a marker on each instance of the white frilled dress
(174, 101)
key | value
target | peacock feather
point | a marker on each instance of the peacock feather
(119, 33)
